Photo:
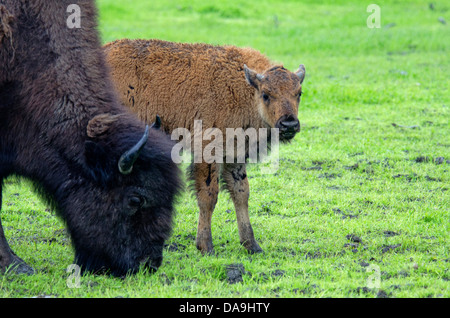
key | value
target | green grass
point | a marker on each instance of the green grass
(377, 180)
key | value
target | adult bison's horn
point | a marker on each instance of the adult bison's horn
(128, 159)
(301, 73)
(157, 123)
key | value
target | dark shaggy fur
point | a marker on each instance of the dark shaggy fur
(62, 126)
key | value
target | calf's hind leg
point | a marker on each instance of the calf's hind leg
(206, 178)
(7, 257)
(235, 177)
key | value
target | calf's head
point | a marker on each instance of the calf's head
(278, 94)
(119, 210)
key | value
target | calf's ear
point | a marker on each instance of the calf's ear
(252, 77)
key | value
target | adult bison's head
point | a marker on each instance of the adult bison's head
(119, 210)
(279, 92)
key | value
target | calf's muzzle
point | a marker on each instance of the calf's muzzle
(288, 126)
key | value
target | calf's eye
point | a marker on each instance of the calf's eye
(265, 97)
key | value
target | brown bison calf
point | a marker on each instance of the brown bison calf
(186, 82)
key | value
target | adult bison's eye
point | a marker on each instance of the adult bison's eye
(265, 97)
(135, 202)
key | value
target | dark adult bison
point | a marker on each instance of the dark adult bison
(111, 180)
(225, 87)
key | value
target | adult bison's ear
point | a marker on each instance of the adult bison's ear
(252, 77)
(99, 125)
(301, 72)
(99, 164)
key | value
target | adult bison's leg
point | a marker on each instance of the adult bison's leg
(206, 178)
(5, 251)
(5, 254)
(235, 177)
(7, 257)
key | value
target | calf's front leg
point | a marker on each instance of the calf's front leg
(235, 177)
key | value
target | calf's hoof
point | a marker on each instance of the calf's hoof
(252, 247)
(206, 250)
(205, 246)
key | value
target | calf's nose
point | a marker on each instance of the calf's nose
(289, 124)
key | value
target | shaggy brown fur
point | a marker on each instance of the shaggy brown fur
(225, 87)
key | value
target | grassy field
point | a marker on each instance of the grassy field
(360, 205)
